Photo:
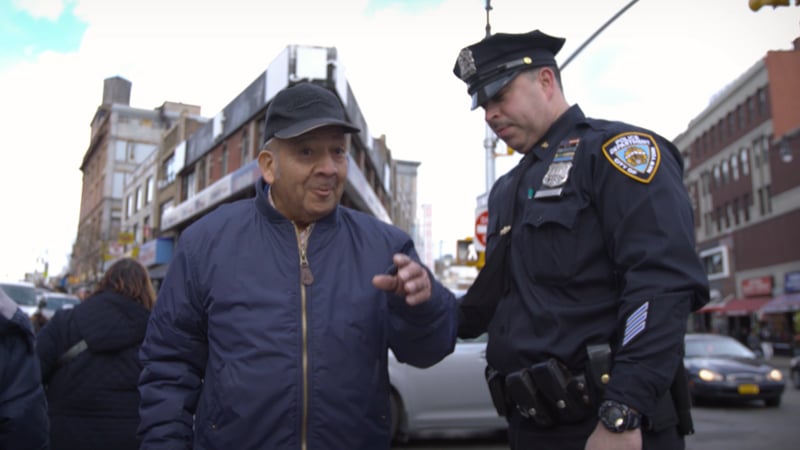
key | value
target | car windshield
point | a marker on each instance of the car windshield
(717, 347)
(60, 302)
(23, 295)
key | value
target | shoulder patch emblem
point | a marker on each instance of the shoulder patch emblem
(634, 154)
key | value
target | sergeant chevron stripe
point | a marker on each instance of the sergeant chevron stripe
(636, 323)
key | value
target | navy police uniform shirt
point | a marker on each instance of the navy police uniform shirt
(602, 251)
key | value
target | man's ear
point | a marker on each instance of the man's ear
(266, 162)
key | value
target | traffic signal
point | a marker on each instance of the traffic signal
(755, 5)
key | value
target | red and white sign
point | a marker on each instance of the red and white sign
(758, 286)
(481, 224)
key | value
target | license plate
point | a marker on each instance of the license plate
(748, 389)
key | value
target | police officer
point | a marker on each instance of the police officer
(23, 408)
(592, 238)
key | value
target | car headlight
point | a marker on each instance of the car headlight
(775, 375)
(710, 375)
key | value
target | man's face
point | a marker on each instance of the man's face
(307, 173)
(520, 113)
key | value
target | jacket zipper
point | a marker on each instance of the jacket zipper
(306, 278)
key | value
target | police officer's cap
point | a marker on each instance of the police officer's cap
(488, 65)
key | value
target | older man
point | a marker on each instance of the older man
(272, 326)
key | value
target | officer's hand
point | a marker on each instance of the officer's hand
(602, 439)
(411, 281)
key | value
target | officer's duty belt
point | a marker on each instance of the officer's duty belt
(548, 393)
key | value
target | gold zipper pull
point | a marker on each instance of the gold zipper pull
(306, 277)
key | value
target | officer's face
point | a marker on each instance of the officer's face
(522, 112)
(307, 173)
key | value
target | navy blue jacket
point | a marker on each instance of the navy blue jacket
(94, 398)
(239, 348)
(23, 408)
(603, 252)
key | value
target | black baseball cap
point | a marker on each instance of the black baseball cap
(303, 107)
(488, 65)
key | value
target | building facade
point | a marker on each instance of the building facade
(742, 157)
(170, 166)
(122, 138)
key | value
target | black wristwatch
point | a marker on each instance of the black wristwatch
(618, 417)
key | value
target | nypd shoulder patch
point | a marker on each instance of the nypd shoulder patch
(635, 154)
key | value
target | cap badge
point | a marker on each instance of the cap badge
(635, 154)
(466, 64)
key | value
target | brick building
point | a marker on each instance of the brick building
(742, 156)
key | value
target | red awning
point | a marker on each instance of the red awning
(736, 306)
(744, 306)
(782, 304)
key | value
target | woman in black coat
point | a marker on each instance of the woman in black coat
(92, 393)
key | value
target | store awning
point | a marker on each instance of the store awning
(712, 307)
(736, 306)
(782, 304)
(744, 306)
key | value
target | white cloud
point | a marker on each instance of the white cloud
(48, 9)
(657, 66)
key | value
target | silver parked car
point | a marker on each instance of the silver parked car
(449, 397)
(53, 301)
(23, 293)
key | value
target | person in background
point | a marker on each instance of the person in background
(90, 362)
(274, 321)
(23, 407)
(591, 268)
(38, 319)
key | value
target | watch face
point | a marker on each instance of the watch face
(617, 417)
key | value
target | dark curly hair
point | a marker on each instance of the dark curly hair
(130, 278)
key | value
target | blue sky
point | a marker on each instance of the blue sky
(24, 37)
(657, 66)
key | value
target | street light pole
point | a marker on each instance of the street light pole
(594, 35)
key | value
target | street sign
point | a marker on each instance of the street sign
(481, 224)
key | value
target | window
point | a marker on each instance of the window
(715, 262)
(740, 115)
(151, 184)
(139, 198)
(129, 207)
(751, 110)
(224, 160)
(725, 171)
(736, 211)
(244, 147)
(189, 186)
(745, 164)
(768, 198)
(137, 234)
(168, 170)
(717, 181)
(119, 150)
(731, 124)
(735, 167)
(761, 202)
(210, 167)
(762, 102)
(718, 219)
(746, 207)
(146, 229)
(201, 174)
(728, 214)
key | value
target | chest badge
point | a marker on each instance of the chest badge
(558, 172)
(634, 154)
